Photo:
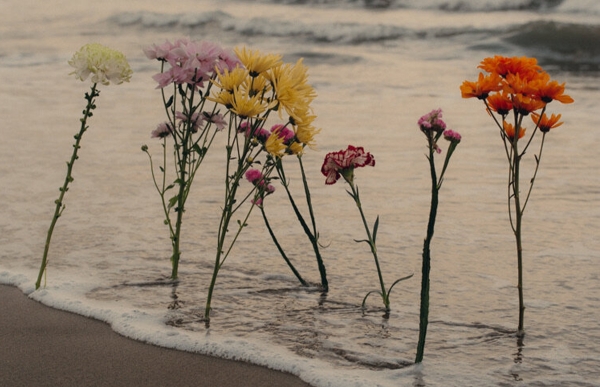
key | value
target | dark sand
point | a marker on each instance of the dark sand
(41, 346)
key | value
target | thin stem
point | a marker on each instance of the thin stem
(538, 159)
(515, 167)
(371, 241)
(60, 206)
(320, 264)
(280, 249)
(312, 235)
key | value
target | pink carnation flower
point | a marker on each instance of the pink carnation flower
(343, 163)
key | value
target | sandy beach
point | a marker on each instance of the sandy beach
(42, 346)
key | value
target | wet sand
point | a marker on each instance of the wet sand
(41, 346)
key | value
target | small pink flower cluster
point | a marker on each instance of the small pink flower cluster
(196, 121)
(433, 127)
(191, 62)
(432, 121)
(452, 136)
(283, 132)
(261, 134)
(256, 177)
(343, 162)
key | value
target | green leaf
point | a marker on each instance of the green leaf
(169, 102)
(201, 151)
(375, 227)
(367, 296)
(173, 201)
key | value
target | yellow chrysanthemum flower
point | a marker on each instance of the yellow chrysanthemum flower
(103, 63)
(296, 148)
(293, 93)
(274, 145)
(257, 86)
(255, 62)
(223, 97)
(304, 130)
(230, 80)
(245, 106)
(306, 135)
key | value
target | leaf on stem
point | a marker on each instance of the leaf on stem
(397, 281)
(169, 102)
(375, 227)
(368, 294)
(173, 201)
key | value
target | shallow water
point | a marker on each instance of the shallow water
(376, 72)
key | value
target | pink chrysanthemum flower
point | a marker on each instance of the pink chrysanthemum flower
(191, 62)
(195, 120)
(343, 162)
(162, 130)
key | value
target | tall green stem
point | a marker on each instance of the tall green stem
(60, 206)
(516, 164)
(426, 265)
(315, 239)
(312, 235)
(280, 249)
(371, 241)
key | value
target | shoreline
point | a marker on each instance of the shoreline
(43, 346)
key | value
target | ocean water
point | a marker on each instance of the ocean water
(377, 66)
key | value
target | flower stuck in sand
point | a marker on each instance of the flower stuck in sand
(104, 64)
(343, 163)
(432, 126)
(520, 86)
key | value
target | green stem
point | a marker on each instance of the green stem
(315, 243)
(371, 241)
(312, 237)
(426, 266)
(517, 230)
(280, 249)
(69, 178)
(229, 208)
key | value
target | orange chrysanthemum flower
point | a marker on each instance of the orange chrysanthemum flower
(524, 104)
(482, 88)
(524, 66)
(549, 91)
(500, 103)
(510, 130)
(517, 84)
(546, 123)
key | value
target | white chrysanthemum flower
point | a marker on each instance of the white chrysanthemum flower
(104, 64)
